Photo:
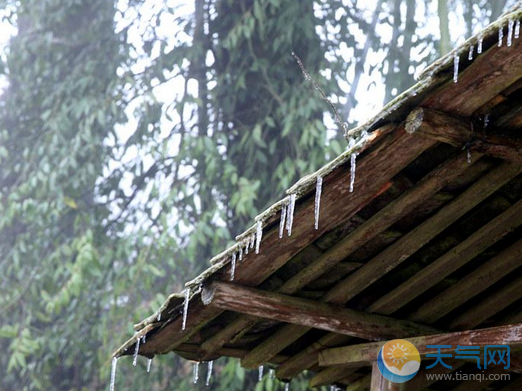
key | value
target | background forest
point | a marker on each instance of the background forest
(137, 138)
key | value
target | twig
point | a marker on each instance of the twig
(343, 125)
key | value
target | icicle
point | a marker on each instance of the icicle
(252, 241)
(468, 153)
(456, 60)
(479, 45)
(233, 267)
(486, 120)
(517, 29)
(271, 373)
(158, 318)
(353, 163)
(195, 373)
(185, 308)
(287, 387)
(259, 235)
(247, 246)
(210, 365)
(500, 36)
(282, 221)
(240, 253)
(470, 54)
(144, 338)
(135, 359)
(290, 217)
(510, 32)
(113, 373)
(318, 191)
(149, 363)
(260, 373)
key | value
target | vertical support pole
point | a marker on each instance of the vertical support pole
(380, 383)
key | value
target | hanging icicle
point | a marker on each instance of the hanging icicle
(195, 373)
(456, 60)
(486, 120)
(247, 246)
(185, 308)
(233, 266)
(290, 214)
(252, 241)
(149, 364)
(158, 318)
(287, 387)
(511, 23)
(468, 154)
(479, 45)
(282, 221)
(517, 29)
(209, 372)
(113, 373)
(241, 252)
(353, 163)
(144, 339)
(318, 191)
(260, 370)
(136, 350)
(271, 373)
(500, 36)
(259, 235)
(470, 53)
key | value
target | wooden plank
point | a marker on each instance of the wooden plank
(193, 352)
(472, 284)
(513, 386)
(451, 261)
(489, 306)
(398, 252)
(430, 184)
(362, 384)
(459, 132)
(380, 383)
(330, 375)
(488, 75)
(302, 312)
(375, 167)
(365, 354)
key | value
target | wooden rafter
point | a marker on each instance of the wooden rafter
(365, 354)
(284, 308)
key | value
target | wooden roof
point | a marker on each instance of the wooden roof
(428, 242)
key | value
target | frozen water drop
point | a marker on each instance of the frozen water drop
(195, 373)
(136, 350)
(158, 318)
(247, 246)
(233, 266)
(470, 54)
(259, 235)
(252, 241)
(486, 120)
(185, 308)
(511, 23)
(468, 153)
(353, 164)
(500, 36)
(271, 373)
(456, 60)
(517, 29)
(149, 364)
(290, 214)
(241, 252)
(260, 370)
(318, 191)
(479, 45)
(282, 221)
(209, 372)
(113, 373)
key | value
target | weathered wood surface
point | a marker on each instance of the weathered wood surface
(329, 376)
(361, 384)
(472, 284)
(399, 251)
(375, 168)
(380, 383)
(428, 186)
(365, 354)
(451, 261)
(489, 306)
(302, 312)
(459, 133)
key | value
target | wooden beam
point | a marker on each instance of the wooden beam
(472, 284)
(380, 383)
(398, 252)
(513, 386)
(488, 307)
(330, 375)
(361, 384)
(302, 312)
(430, 184)
(459, 133)
(389, 154)
(365, 354)
(451, 261)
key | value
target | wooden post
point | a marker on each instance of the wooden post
(380, 383)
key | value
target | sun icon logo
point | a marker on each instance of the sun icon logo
(398, 360)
